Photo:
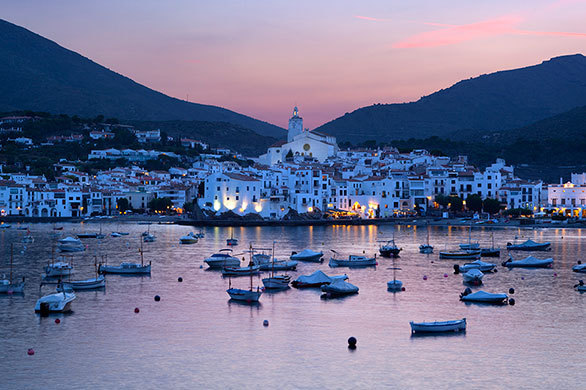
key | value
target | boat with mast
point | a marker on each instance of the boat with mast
(87, 284)
(426, 248)
(232, 241)
(276, 282)
(394, 285)
(492, 251)
(7, 286)
(249, 296)
(127, 268)
(470, 245)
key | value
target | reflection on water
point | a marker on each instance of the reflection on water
(196, 337)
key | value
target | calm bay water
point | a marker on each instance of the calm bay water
(196, 338)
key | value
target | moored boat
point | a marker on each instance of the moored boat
(339, 288)
(87, 284)
(241, 271)
(8, 286)
(478, 264)
(473, 276)
(127, 268)
(70, 244)
(55, 303)
(149, 238)
(58, 269)
(580, 286)
(316, 279)
(87, 235)
(187, 239)
(483, 297)
(579, 267)
(277, 282)
(248, 296)
(425, 249)
(528, 262)
(438, 326)
(389, 249)
(529, 245)
(460, 255)
(307, 255)
(353, 261)
(222, 259)
(279, 265)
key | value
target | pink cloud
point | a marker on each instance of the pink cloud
(369, 18)
(451, 35)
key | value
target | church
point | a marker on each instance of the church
(300, 142)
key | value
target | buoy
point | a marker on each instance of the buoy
(402, 288)
(136, 310)
(157, 298)
(424, 277)
(376, 263)
(512, 301)
(57, 321)
(265, 323)
(201, 266)
(30, 352)
(555, 274)
(511, 290)
(352, 343)
(522, 278)
(445, 275)
(180, 279)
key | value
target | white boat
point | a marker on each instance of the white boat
(241, 271)
(579, 268)
(189, 238)
(460, 255)
(248, 296)
(277, 282)
(307, 255)
(478, 264)
(529, 245)
(394, 285)
(339, 288)
(470, 246)
(438, 326)
(316, 279)
(58, 269)
(261, 258)
(279, 265)
(222, 259)
(7, 286)
(149, 238)
(353, 261)
(115, 234)
(528, 262)
(70, 244)
(127, 268)
(474, 276)
(87, 284)
(483, 297)
(55, 303)
(426, 248)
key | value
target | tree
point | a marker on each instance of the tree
(160, 204)
(123, 204)
(491, 206)
(456, 203)
(442, 200)
(474, 203)
(188, 207)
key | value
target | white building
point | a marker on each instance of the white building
(569, 198)
(300, 142)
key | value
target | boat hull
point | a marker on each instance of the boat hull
(394, 285)
(244, 295)
(241, 271)
(352, 263)
(438, 327)
(488, 252)
(390, 252)
(460, 255)
(219, 264)
(120, 270)
(279, 266)
(581, 268)
(317, 258)
(276, 283)
(425, 249)
(12, 288)
(55, 303)
(89, 284)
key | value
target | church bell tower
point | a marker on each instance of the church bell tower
(295, 125)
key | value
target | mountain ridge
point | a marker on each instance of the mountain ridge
(496, 101)
(38, 74)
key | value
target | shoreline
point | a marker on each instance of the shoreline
(421, 221)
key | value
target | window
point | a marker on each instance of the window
(218, 188)
(237, 190)
(236, 197)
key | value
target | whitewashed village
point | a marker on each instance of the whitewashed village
(306, 175)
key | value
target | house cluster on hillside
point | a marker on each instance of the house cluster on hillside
(307, 173)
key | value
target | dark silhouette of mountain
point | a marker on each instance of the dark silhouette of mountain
(494, 102)
(38, 74)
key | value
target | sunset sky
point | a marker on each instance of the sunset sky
(261, 58)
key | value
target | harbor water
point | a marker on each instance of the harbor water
(195, 337)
